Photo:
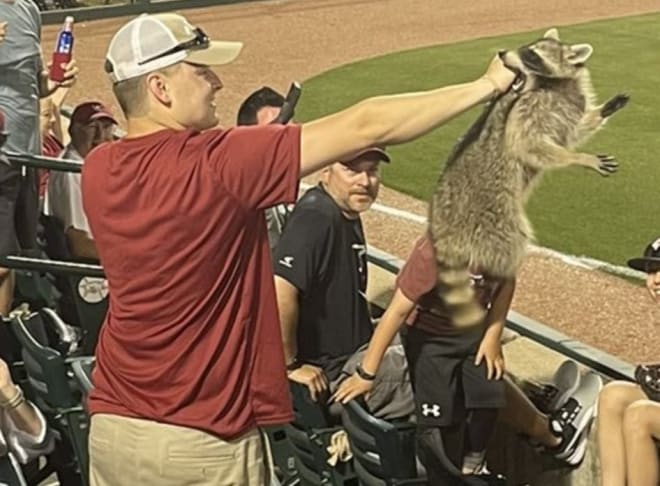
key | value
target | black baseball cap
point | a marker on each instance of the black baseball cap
(650, 262)
(379, 152)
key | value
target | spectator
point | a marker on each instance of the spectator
(321, 284)
(261, 108)
(52, 134)
(456, 374)
(23, 431)
(22, 82)
(50, 127)
(9, 218)
(628, 420)
(189, 362)
(91, 125)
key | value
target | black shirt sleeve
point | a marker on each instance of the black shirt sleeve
(303, 252)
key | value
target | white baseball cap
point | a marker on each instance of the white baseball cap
(151, 42)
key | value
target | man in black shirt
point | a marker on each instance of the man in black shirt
(321, 273)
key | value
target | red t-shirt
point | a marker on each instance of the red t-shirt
(417, 281)
(192, 334)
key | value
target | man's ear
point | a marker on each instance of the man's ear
(325, 173)
(157, 86)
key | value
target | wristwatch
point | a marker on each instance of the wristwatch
(363, 374)
(294, 365)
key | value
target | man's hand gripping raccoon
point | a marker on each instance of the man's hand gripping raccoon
(477, 217)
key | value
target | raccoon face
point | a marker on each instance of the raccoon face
(549, 57)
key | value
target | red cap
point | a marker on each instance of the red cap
(89, 111)
(3, 131)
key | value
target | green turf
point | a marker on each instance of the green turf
(574, 210)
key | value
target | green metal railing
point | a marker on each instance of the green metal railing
(40, 162)
(589, 356)
(18, 262)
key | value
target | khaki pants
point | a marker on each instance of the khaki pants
(134, 452)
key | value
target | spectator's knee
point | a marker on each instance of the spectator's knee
(4, 273)
(636, 418)
(432, 452)
(613, 399)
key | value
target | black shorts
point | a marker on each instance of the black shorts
(19, 209)
(445, 380)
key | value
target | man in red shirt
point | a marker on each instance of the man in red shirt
(189, 361)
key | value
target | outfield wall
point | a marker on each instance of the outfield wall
(50, 17)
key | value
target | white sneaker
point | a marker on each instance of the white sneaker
(572, 422)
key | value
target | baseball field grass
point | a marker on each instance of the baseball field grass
(573, 210)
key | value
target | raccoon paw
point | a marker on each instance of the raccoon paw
(614, 105)
(606, 165)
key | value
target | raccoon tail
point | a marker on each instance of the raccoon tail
(456, 291)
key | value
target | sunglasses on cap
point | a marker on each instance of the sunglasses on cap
(200, 41)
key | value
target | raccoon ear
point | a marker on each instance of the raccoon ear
(552, 34)
(580, 53)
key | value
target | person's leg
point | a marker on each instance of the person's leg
(641, 426)
(612, 403)
(521, 414)
(27, 210)
(434, 377)
(435, 457)
(6, 290)
(392, 396)
(479, 430)
(483, 398)
(134, 451)
(9, 187)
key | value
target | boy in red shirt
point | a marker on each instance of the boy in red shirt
(457, 374)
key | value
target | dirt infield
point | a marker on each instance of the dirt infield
(296, 39)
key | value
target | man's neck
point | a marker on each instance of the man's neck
(146, 125)
(82, 150)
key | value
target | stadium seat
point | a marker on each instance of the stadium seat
(74, 306)
(82, 371)
(309, 435)
(384, 452)
(48, 379)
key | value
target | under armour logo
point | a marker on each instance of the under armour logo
(287, 261)
(428, 410)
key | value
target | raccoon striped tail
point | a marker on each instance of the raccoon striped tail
(456, 291)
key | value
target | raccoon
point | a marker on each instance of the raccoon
(477, 216)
